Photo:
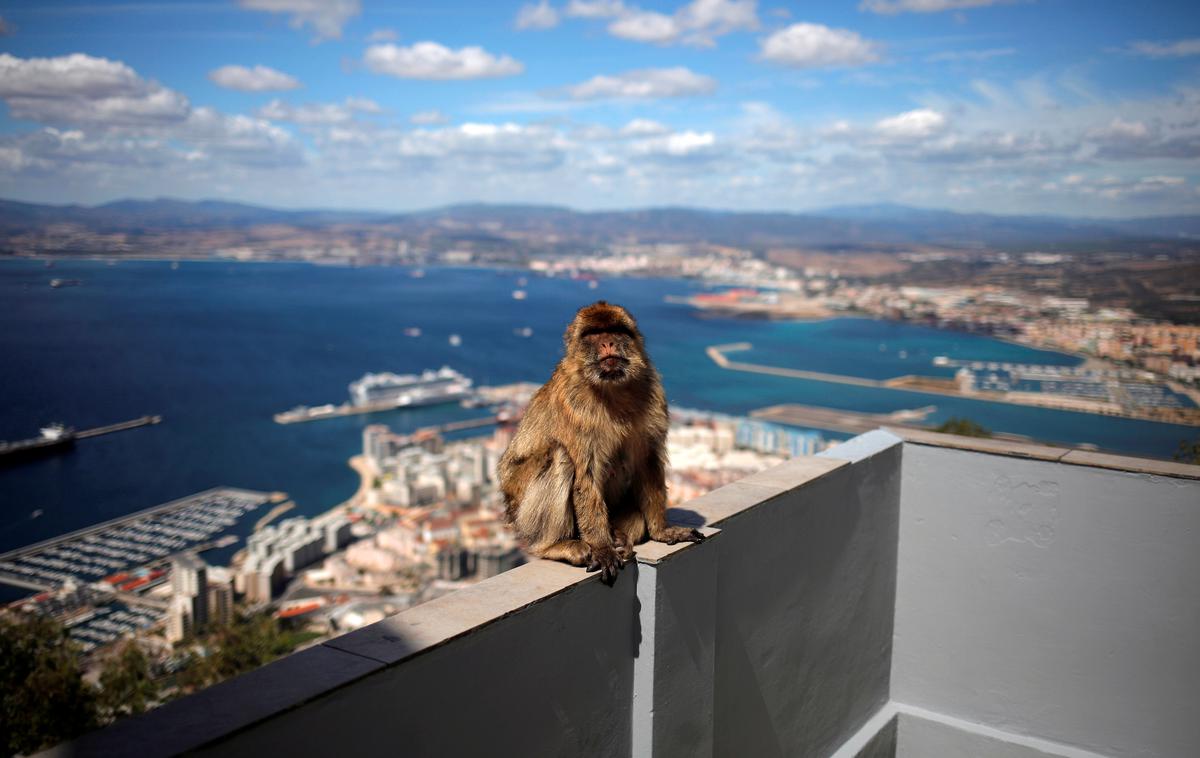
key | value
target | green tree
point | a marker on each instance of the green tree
(246, 644)
(199, 672)
(126, 685)
(964, 427)
(43, 698)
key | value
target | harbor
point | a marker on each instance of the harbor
(1056, 388)
(112, 551)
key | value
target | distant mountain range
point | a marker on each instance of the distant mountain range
(879, 226)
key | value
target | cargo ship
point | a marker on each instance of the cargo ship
(51, 438)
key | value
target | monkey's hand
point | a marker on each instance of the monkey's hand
(622, 544)
(673, 534)
(606, 560)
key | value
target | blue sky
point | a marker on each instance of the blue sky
(1035, 106)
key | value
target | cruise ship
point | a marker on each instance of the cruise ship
(403, 390)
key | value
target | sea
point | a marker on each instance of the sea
(217, 348)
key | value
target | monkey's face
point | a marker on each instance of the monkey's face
(605, 342)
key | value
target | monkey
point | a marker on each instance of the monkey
(584, 476)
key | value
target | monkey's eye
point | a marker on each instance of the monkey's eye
(614, 330)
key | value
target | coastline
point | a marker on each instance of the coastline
(366, 482)
(226, 435)
(942, 387)
(721, 311)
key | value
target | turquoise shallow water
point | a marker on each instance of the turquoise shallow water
(217, 348)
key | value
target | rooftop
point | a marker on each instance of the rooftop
(903, 594)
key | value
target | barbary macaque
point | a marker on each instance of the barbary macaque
(584, 477)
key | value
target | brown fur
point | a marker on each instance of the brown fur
(584, 478)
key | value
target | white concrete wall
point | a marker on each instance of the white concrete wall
(673, 671)
(805, 598)
(925, 738)
(880, 600)
(1050, 600)
(554, 679)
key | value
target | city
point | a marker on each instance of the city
(600, 378)
(426, 521)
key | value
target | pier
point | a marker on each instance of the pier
(57, 438)
(322, 412)
(832, 419)
(119, 427)
(517, 392)
(717, 353)
(319, 412)
(458, 426)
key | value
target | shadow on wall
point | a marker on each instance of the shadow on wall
(685, 517)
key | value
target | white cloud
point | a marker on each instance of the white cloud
(595, 8)
(697, 23)
(1124, 130)
(80, 89)
(891, 7)
(1117, 188)
(257, 79)
(541, 15)
(475, 146)
(1003, 146)
(687, 143)
(714, 17)
(429, 60)
(917, 124)
(383, 35)
(123, 124)
(643, 127)
(206, 141)
(75, 74)
(1179, 49)
(1137, 140)
(817, 46)
(971, 55)
(647, 83)
(429, 117)
(645, 26)
(318, 113)
(50, 152)
(239, 139)
(326, 17)
(676, 145)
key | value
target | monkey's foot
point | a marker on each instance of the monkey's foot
(673, 534)
(607, 561)
(623, 545)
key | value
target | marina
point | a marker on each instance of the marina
(109, 551)
(105, 624)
